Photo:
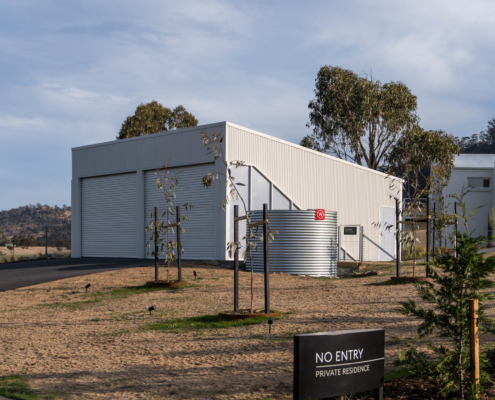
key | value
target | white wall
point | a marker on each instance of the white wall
(314, 180)
(176, 148)
(478, 225)
(308, 178)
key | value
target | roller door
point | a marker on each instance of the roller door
(109, 216)
(199, 240)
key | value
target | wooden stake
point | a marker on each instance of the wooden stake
(474, 341)
(397, 243)
(265, 258)
(156, 243)
(428, 224)
(236, 259)
(179, 246)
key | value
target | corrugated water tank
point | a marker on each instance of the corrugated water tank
(303, 246)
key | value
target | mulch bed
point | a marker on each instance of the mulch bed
(415, 388)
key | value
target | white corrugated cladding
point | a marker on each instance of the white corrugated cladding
(314, 180)
(109, 216)
(199, 240)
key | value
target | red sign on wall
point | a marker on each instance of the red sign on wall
(320, 214)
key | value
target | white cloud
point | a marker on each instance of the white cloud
(11, 121)
(71, 72)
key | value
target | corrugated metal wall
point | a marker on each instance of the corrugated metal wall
(179, 148)
(199, 240)
(109, 216)
(303, 245)
(313, 180)
(310, 179)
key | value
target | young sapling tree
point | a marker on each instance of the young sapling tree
(162, 230)
(213, 144)
(456, 279)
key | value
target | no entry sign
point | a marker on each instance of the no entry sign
(320, 214)
(340, 363)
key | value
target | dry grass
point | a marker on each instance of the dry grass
(30, 252)
(100, 346)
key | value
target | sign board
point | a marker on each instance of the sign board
(340, 363)
(350, 230)
(320, 214)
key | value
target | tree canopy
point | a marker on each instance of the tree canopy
(424, 159)
(484, 143)
(357, 118)
(153, 118)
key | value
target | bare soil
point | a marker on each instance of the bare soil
(87, 346)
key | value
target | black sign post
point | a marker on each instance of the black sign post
(340, 363)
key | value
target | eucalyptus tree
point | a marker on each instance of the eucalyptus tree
(424, 160)
(357, 118)
(153, 118)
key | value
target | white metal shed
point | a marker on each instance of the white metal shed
(476, 173)
(114, 191)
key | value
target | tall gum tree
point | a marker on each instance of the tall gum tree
(153, 118)
(357, 118)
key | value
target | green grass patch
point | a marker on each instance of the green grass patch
(395, 283)
(203, 322)
(324, 278)
(396, 374)
(392, 283)
(17, 387)
(127, 291)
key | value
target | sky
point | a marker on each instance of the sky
(72, 71)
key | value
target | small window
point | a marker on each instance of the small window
(478, 183)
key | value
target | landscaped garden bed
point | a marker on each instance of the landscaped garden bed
(104, 344)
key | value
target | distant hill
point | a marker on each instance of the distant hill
(25, 226)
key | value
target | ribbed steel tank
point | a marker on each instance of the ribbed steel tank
(303, 246)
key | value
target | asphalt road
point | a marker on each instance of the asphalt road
(27, 273)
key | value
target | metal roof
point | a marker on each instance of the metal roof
(474, 161)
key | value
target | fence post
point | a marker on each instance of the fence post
(427, 234)
(236, 259)
(455, 212)
(179, 247)
(156, 243)
(474, 342)
(361, 244)
(490, 232)
(338, 243)
(265, 259)
(433, 230)
(46, 238)
(397, 242)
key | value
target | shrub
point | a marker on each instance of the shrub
(456, 280)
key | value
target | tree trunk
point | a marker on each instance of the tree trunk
(461, 372)
(168, 250)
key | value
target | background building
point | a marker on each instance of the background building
(473, 171)
(114, 191)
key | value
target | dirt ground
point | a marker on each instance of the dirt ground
(67, 343)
